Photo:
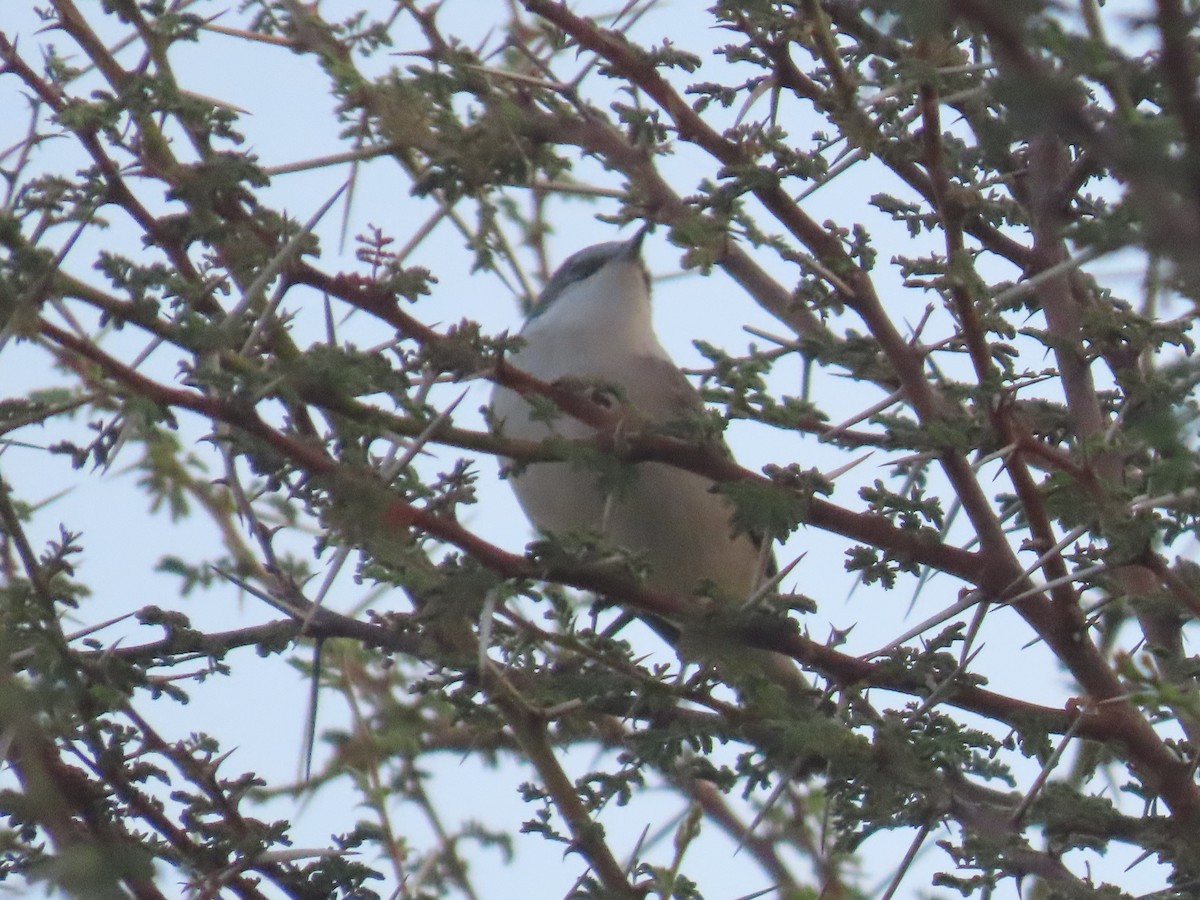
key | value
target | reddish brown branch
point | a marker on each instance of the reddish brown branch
(1156, 764)
(401, 515)
(118, 190)
(617, 51)
(951, 217)
(1179, 70)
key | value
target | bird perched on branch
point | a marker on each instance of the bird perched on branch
(592, 326)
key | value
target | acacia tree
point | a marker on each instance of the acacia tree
(1034, 428)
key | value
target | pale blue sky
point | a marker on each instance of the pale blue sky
(260, 710)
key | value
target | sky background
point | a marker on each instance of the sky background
(259, 713)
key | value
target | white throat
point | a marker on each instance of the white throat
(608, 313)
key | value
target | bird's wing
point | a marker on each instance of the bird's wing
(657, 389)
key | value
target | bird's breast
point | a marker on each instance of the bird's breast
(669, 515)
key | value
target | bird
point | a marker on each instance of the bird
(592, 324)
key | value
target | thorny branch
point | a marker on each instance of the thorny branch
(1002, 183)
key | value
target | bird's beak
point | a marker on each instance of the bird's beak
(633, 246)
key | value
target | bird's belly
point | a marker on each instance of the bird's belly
(668, 515)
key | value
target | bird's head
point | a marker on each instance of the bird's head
(603, 280)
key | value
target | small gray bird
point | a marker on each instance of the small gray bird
(592, 324)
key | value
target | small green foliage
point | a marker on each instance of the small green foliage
(340, 372)
(767, 509)
(974, 235)
(460, 352)
(387, 270)
(875, 567)
(912, 511)
(583, 548)
(669, 56)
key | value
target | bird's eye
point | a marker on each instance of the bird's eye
(585, 268)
